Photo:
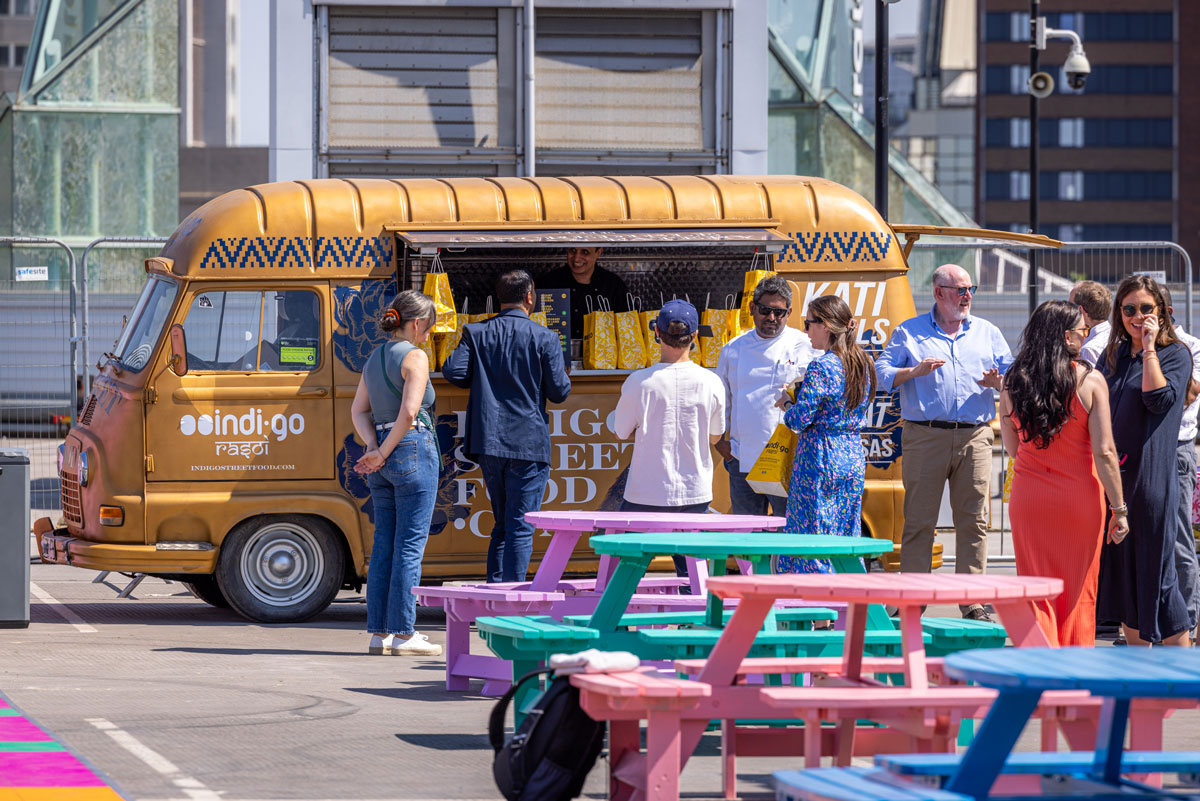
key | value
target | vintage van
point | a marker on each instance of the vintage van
(216, 446)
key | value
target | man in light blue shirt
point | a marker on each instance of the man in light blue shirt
(946, 366)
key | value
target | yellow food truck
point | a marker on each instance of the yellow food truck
(216, 447)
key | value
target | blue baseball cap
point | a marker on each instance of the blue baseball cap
(678, 311)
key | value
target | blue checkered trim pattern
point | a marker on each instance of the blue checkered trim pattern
(358, 252)
(835, 246)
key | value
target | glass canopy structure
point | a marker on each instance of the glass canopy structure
(89, 147)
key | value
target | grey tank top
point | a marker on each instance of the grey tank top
(385, 405)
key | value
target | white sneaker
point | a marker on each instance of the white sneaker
(416, 645)
(377, 646)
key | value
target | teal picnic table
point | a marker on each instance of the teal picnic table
(636, 551)
(529, 640)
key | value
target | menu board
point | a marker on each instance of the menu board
(556, 303)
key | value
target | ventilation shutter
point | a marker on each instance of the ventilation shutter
(619, 81)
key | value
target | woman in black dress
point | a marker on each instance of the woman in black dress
(1147, 370)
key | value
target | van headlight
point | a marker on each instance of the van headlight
(84, 472)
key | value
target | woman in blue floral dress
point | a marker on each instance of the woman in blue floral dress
(829, 413)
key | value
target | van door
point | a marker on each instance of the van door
(257, 401)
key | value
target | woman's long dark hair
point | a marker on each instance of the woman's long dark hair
(1041, 380)
(858, 366)
(1119, 336)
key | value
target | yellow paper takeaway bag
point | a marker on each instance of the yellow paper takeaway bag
(772, 471)
(487, 313)
(446, 343)
(437, 286)
(431, 351)
(751, 283)
(631, 345)
(599, 337)
(712, 335)
(653, 349)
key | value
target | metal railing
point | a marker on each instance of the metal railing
(1002, 273)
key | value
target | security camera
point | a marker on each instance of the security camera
(1041, 85)
(1077, 68)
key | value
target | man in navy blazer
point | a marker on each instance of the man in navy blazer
(512, 366)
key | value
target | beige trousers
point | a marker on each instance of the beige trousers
(933, 456)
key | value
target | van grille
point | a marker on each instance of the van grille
(86, 417)
(72, 505)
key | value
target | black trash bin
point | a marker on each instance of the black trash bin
(14, 538)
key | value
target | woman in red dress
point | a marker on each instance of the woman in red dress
(1054, 417)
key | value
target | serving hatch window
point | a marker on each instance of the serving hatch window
(704, 266)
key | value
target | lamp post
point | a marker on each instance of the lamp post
(881, 107)
(1041, 85)
(1035, 58)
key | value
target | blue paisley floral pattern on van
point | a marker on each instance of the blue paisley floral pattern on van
(356, 313)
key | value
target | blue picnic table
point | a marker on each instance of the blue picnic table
(1021, 675)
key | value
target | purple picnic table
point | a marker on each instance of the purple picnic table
(548, 594)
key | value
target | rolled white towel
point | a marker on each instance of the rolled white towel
(594, 661)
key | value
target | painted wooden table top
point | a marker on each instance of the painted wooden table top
(716, 545)
(897, 589)
(651, 521)
(1114, 672)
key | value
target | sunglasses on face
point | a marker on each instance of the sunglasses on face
(807, 323)
(1129, 310)
(772, 311)
(962, 291)
(1083, 329)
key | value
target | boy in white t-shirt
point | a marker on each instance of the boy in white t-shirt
(677, 409)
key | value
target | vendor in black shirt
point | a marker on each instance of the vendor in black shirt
(585, 279)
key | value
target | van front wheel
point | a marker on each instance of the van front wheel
(281, 568)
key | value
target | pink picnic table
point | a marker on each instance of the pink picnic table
(549, 594)
(918, 715)
(568, 527)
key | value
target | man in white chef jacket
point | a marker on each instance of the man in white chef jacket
(754, 368)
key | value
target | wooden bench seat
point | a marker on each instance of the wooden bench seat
(623, 698)
(854, 784)
(766, 666)
(1044, 763)
(949, 635)
(696, 618)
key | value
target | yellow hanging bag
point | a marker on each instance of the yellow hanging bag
(487, 313)
(599, 337)
(437, 286)
(653, 349)
(750, 283)
(631, 345)
(712, 334)
(446, 343)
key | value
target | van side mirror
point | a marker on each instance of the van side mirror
(179, 363)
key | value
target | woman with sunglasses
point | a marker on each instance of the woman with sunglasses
(1147, 369)
(825, 496)
(1054, 418)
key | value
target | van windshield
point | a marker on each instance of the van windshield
(146, 323)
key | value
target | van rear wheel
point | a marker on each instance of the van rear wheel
(280, 568)
(206, 589)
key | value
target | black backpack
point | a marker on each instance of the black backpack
(550, 755)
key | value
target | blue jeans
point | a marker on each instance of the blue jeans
(691, 508)
(743, 500)
(516, 486)
(403, 493)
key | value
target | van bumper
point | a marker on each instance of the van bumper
(57, 546)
